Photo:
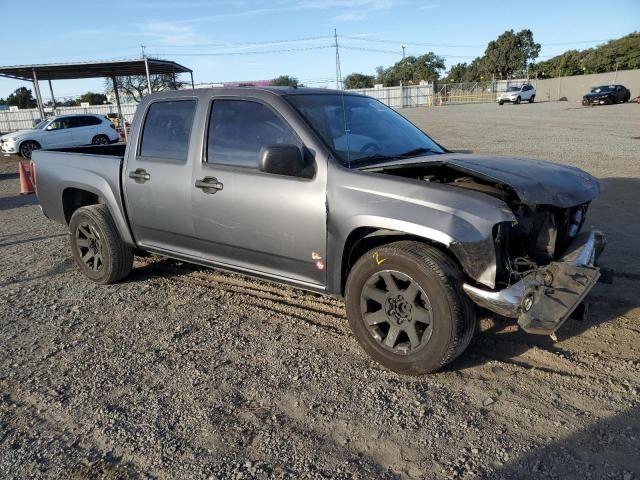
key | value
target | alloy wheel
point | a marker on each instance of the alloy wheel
(396, 311)
(89, 245)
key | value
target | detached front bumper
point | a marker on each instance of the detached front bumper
(544, 299)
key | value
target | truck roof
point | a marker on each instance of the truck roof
(280, 91)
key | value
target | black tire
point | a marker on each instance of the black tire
(100, 140)
(500, 102)
(517, 100)
(27, 147)
(627, 97)
(533, 97)
(97, 247)
(452, 318)
(585, 102)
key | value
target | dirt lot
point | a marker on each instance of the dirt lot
(181, 372)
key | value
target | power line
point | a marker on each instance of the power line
(260, 52)
(258, 43)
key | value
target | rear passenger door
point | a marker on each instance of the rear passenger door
(83, 129)
(157, 176)
(270, 225)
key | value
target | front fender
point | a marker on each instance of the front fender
(461, 221)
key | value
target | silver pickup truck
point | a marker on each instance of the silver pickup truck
(338, 194)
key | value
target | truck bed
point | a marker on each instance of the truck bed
(62, 173)
(113, 150)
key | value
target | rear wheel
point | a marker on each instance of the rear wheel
(533, 97)
(97, 247)
(27, 148)
(100, 140)
(517, 100)
(407, 309)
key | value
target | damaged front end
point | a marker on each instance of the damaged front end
(546, 296)
(539, 267)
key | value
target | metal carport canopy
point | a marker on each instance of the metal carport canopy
(110, 69)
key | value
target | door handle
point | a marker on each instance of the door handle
(140, 175)
(209, 184)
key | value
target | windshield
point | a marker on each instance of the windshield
(605, 88)
(362, 131)
(513, 89)
(41, 124)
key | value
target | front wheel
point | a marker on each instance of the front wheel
(517, 100)
(406, 307)
(501, 102)
(533, 97)
(27, 148)
(97, 247)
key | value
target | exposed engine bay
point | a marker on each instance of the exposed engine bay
(541, 234)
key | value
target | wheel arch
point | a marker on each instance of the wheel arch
(363, 239)
(28, 140)
(76, 196)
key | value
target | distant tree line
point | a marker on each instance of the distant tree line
(512, 54)
(623, 53)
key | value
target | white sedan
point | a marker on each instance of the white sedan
(59, 132)
(516, 94)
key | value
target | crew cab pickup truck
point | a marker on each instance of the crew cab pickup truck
(336, 193)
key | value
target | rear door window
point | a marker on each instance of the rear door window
(166, 130)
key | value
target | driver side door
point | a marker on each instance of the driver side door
(58, 134)
(270, 225)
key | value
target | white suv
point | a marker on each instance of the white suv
(516, 94)
(61, 131)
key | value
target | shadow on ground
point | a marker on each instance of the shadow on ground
(608, 447)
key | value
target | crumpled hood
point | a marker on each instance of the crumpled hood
(534, 181)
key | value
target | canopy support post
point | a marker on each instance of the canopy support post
(53, 99)
(36, 87)
(123, 123)
(146, 67)
(192, 85)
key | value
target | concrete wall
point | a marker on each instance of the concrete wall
(573, 88)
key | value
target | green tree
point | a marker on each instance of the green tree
(623, 52)
(358, 80)
(135, 86)
(285, 81)
(411, 70)
(22, 98)
(511, 53)
(93, 98)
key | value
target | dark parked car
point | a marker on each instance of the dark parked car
(606, 95)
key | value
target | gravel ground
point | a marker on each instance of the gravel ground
(180, 372)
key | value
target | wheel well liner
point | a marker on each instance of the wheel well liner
(363, 239)
(74, 198)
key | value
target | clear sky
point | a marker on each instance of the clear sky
(225, 40)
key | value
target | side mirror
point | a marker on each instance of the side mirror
(282, 160)
(49, 127)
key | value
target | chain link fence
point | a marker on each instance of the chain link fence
(430, 94)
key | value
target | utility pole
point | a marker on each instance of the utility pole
(338, 72)
(403, 47)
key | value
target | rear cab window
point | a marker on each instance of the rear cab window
(166, 130)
